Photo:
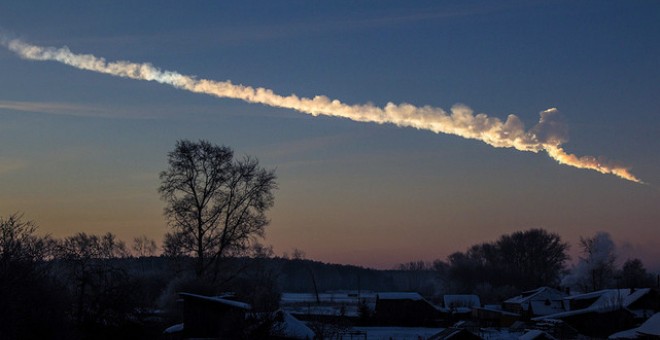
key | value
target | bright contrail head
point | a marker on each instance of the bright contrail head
(547, 135)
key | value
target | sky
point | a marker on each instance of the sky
(498, 95)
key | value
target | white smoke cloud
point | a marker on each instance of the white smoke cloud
(595, 269)
(548, 135)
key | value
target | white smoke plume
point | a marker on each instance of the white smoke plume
(595, 269)
(548, 135)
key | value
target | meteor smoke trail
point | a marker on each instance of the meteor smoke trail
(548, 135)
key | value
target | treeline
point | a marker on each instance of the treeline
(96, 286)
(73, 287)
(85, 285)
(530, 259)
(496, 270)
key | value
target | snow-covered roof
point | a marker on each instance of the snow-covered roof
(345, 303)
(496, 309)
(627, 334)
(324, 310)
(468, 300)
(606, 301)
(649, 327)
(609, 298)
(174, 329)
(535, 334)
(400, 296)
(237, 304)
(547, 307)
(400, 333)
(542, 292)
(346, 297)
(635, 295)
(292, 327)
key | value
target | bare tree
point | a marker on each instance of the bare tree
(31, 300)
(144, 246)
(216, 205)
(98, 285)
(18, 242)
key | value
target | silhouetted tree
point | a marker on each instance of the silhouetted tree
(144, 246)
(533, 258)
(419, 276)
(31, 302)
(20, 244)
(524, 260)
(634, 275)
(477, 265)
(216, 205)
(101, 289)
(258, 282)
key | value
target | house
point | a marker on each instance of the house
(405, 309)
(455, 333)
(645, 303)
(219, 317)
(494, 316)
(459, 307)
(536, 334)
(384, 308)
(328, 306)
(212, 317)
(648, 330)
(538, 302)
(557, 328)
(604, 312)
(461, 303)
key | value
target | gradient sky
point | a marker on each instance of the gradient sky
(81, 151)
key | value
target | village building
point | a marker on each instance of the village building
(365, 308)
(536, 334)
(212, 317)
(458, 307)
(328, 306)
(461, 303)
(605, 312)
(405, 309)
(494, 316)
(650, 329)
(455, 333)
(538, 302)
(286, 326)
(222, 318)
